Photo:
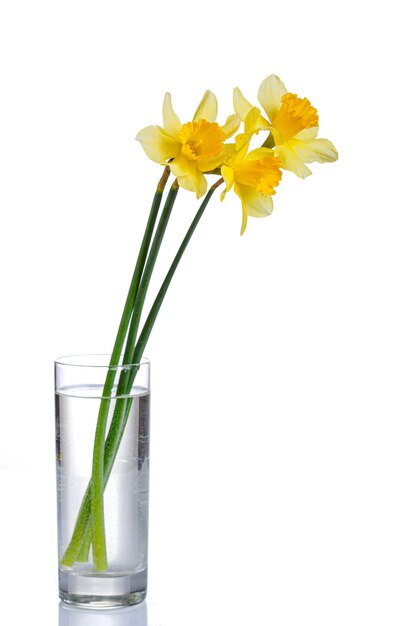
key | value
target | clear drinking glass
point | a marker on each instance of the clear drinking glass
(79, 382)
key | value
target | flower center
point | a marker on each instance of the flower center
(262, 174)
(201, 140)
(295, 115)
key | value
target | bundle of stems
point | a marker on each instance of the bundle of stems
(89, 529)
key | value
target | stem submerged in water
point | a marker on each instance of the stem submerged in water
(72, 550)
(97, 477)
(84, 528)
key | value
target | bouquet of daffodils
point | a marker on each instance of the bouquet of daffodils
(286, 132)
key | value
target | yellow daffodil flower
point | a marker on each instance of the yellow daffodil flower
(192, 148)
(293, 123)
(253, 177)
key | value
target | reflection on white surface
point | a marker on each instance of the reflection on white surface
(129, 616)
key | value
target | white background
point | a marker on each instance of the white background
(284, 481)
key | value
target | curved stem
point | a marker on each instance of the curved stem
(129, 357)
(97, 475)
(122, 408)
(147, 328)
(72, 550)
(120, 417)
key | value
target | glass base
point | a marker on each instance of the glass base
(102, 591)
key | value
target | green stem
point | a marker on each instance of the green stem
(122, 408)
(143, 290)
(119, 420)
(269, 142)
(97, 479)
(72, 550)
(147, 328)
(84, 552)
(97, 475)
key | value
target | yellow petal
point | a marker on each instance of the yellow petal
(180, 166)
(227, 174)
(172, 123)
(257, 205)
(270, 93)
(210, 163)
(244, 219)
(231, 126)
(199, 183)
(242, 145)
(253, 204)
(259, 153)
(319, 150)
(235, 152)
(244, 210)
(158, 144)
(240, 104)
(278, 139)
(207, 109)
(307, 134)
(291, 161)
(229, 151)
(189, 177)
(255, 122)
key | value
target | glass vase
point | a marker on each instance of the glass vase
(79, 384)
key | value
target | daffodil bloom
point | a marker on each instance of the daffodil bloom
(293, 123)
(190, 149)
(253, 176)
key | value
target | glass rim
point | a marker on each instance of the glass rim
(75, 360)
